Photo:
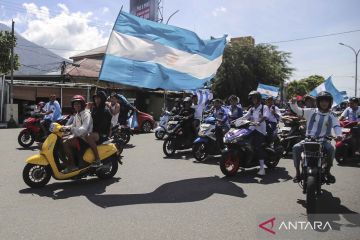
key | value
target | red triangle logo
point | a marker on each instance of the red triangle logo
(264, 227)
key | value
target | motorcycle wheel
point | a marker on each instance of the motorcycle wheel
(229, 165)
(311, 195)
(168, 147)
(36, 176)
(199, 151)
(108, 170)
(26, 139)
(125, 136)
(272, 160)
(159, 134)
(341, 155)
(146, 127)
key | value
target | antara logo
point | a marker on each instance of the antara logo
(269, 225)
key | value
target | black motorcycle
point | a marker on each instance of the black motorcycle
(178, 138)
(239, 152)
(293, 133)
(121, 132)
(313, 171)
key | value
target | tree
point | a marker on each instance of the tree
(303, 86)
(244, 67)
(5, 53)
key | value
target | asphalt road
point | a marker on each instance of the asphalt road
(153, 197)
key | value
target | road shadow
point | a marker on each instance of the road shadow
(181, 155)
(330, 209)
(32, 148)
(351, 163)
(210, 160)
(188, 190)
(129, 146)
(77, 188)
(276, 175)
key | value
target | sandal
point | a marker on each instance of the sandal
(297, 179)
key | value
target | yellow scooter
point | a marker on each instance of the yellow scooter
(39, 168)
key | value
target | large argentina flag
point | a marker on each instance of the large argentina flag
(268, 91)
(329, 87)
(152, 55)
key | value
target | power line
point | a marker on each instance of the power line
(313, 37)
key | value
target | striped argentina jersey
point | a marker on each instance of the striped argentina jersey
(318, 124)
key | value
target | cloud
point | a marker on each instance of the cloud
(219, 10)
(62, 33)
(105, 10)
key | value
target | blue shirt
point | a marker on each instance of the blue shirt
(221, 115)
(56, 111)
(235, 112)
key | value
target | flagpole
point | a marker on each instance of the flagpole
(102, 64)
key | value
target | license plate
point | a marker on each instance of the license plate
(173, 122)
(285, 129)
(346, 130)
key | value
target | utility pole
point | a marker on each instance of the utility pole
(356, 63)
(12, 64)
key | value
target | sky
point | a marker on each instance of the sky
(70, 27)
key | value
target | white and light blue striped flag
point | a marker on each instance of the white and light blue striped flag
(204, 95)
(268, 91)
(152, 55)
(329, 87)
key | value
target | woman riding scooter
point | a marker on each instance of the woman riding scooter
(81, 126)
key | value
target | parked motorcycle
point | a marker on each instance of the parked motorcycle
(240, 153)
(206, 144)
(177, 138)
(293, 133)
(313, 171)
(40, 167)
(161, 130)
(345, 149)
(33, 131)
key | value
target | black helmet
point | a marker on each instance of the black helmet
(255, 94)
(354, 100)
(324, 96)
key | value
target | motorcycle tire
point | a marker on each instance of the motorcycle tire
(108, 170)
(159, 134)
(168, 151)
(36, 176)
(146, 127)
(341, 155)
(125, 136)
(311, 195)
(199, 151)
(229, 165)
(272, 160)
(26, 135)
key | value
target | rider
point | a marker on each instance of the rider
(125, 108)
(222, 122)
(80, 127)
(258, 114)
(352, 113)
(177, 107)
(320, 123)
(188, 114)
(309, 101)
(101, 125)
(274, 117)
(52, 113)
(236, 110)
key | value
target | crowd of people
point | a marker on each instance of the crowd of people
(265, 115)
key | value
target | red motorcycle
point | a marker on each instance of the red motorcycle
(33, 131)
(345, 149)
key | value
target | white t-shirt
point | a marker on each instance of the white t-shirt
(318, 124)
(198, 111)
(272, 117)
(255, 115)
(351, 115)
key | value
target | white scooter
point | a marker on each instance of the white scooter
(160, 131)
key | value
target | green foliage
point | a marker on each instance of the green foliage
(244, 67)
(303, 86)
(5, 53)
